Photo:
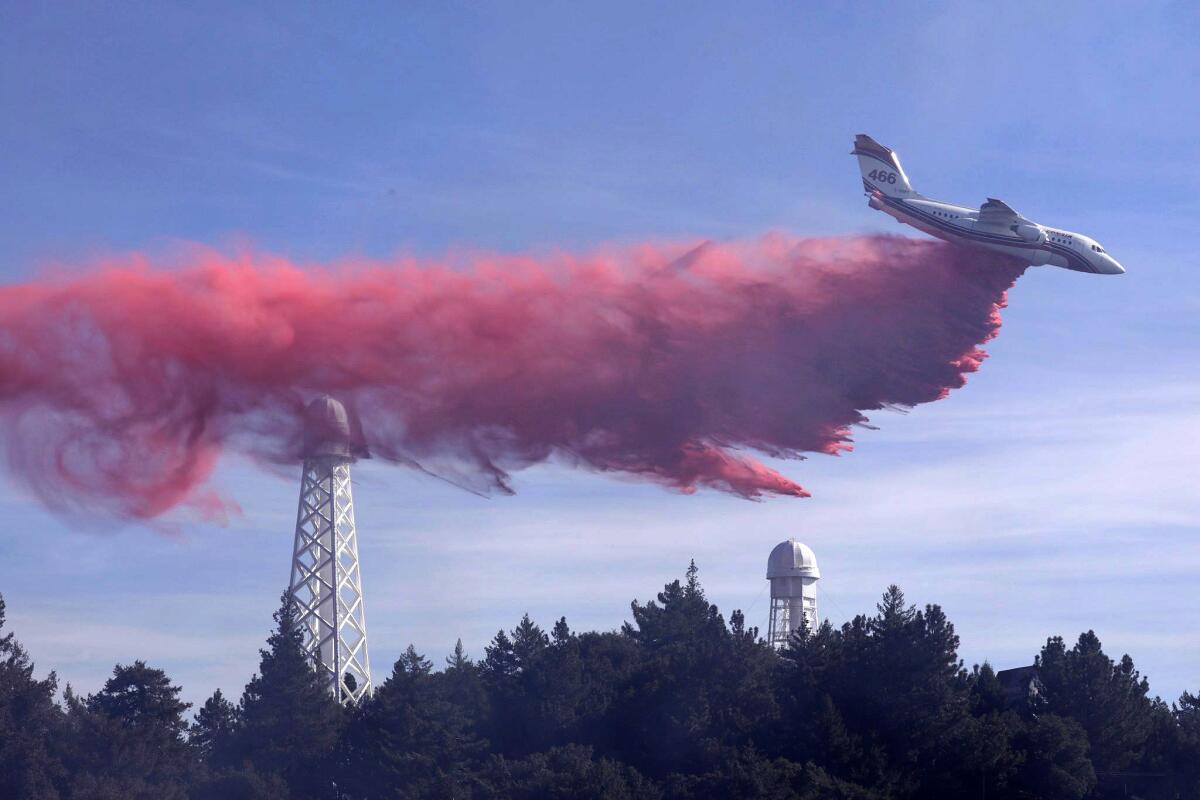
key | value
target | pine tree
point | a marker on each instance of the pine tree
(737, 627)
(461, 685)
(28, 718)
(1184, 758)
(1109, 699)
(213, 731)
(142, 697)
(408, 740)
(899, 692)
(528, 640)
(987, 695)
(499, 659)
(1055, 764)
(513, 724)
(681, 611)
(695, 688)
(290, 722)
(561, 633)
(458, 659)
(126, 741)
(801, 688)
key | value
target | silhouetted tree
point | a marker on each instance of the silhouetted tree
(459, 658)
(1108, 699)
(289, 721)
(528, 640)
(583, 680)
(408, 740)
(28, 718)
(499, 660)
(1056, 765)
(887, 696)
(508, 673)
(461, 686)
(213, 731)
(1183, 759)
(561, 633)
(695, 689)
(126, 741)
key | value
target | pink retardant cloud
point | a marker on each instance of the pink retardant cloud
(121, 382)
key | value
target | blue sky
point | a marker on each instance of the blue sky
(1055, 493)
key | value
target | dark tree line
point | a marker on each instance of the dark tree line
(677, 704)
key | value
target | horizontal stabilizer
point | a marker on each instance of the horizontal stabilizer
(865, 145)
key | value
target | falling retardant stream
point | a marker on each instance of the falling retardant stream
(122, 381)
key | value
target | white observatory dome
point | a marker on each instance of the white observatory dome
(792, 559)
(326, 428)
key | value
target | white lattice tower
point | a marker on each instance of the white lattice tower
(326, 582)
(793, 573)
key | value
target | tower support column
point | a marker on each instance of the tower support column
(326, 583)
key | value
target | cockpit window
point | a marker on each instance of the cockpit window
(1098, 248)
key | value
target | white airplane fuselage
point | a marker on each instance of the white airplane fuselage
(994, 226)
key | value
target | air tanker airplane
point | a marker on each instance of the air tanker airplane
(995, 226)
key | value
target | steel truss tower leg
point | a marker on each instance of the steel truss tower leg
(326, 585)
(779, 628)
(787, 613)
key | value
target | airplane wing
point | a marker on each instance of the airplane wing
(998, 214)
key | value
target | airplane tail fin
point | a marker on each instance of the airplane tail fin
(881, 170)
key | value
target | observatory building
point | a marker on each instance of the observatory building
(793, 573)
(326, 585)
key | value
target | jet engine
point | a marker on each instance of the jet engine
(1030, 233)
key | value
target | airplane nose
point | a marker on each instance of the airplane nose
(1115, 268)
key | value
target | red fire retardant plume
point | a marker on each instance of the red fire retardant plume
(122, 383)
